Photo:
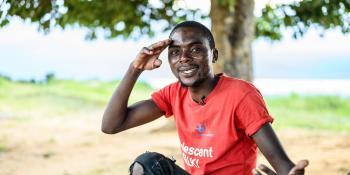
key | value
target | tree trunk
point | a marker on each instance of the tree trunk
(233, 28)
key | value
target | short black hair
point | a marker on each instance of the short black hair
(194, 24)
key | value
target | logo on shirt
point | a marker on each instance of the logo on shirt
(201, 130)
(193, 155)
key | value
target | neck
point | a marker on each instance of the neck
(203, 90)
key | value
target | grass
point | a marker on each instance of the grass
(312, 112)
(3, 148)
(59, 98)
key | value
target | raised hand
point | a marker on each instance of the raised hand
(298, 169)
(147, 58)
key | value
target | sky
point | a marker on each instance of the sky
(27, 54)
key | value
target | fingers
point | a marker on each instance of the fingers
(263, 168)
(157, 63)
(256, 172)
(146, 51)
(266, 169)
(160, 45)
(302, 164)
(299, 168)
(156, 48)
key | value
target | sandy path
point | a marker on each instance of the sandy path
(75, 146)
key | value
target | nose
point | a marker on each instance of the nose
(184, 57)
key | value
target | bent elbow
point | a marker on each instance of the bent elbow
(110, 126)
(108, 130)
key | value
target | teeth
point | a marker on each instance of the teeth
(188, 71)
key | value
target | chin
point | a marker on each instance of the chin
(184, 84)
(194, 83)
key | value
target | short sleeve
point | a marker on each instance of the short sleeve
(251, 112)
(162, 98)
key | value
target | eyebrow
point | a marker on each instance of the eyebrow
(190, 44)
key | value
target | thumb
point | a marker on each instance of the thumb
(157, 63)
(302, 164)
(256, 172)
(299, 168)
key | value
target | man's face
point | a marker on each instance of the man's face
(189, 55)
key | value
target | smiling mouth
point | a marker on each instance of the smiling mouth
(188, 71)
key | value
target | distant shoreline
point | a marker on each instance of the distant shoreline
(282, 87)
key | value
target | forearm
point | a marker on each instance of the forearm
(272, 149)
(118, 116)
(116, 111)
(281, 163)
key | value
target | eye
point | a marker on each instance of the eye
(174, 52)
(196, 50)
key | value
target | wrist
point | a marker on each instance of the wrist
(285, 169)
(135, 69)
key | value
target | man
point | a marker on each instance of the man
(220, 120)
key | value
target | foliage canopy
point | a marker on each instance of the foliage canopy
(141, 17)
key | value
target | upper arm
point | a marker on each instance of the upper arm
(251, 113)
(140, 113)
(272, 149)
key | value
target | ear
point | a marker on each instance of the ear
(215, 55)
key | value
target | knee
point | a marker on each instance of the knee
(149, 157)
(136, 169)
(151, 163)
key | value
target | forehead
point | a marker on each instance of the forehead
(188, 35)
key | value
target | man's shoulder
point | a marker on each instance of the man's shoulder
(237, 84)
(172, 87)
(175, 84)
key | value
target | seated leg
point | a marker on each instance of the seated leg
(152, 163)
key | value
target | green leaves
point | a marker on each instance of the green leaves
(138, 16)
(300, 16)
(4, 22)
(134, 18)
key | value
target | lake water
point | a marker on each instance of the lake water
(282, 87)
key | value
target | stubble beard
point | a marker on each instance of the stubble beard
(197, 83)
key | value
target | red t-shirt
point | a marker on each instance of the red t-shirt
(214, 135)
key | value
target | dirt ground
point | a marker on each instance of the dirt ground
(74, 145)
